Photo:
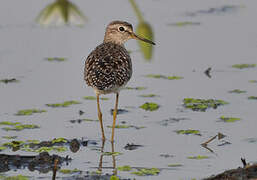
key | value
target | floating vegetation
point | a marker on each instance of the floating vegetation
(252, 81)
(159, 76)
(27, 112)
(94, 98)
(18, 177)
(124, 168)
(9, 137)
(184, 23)
(216, 10)
(198, 157)
(69, 171)
(243, 66)
(58, 59)
(8, 123)
(167, 155)
(21, 127)
(113, 177)
(2, 148)
(64, 104)
(139, 88)
(111, 153)
(146, 171)
(175, 165)
(238, 91)
(188, 132)
(148, 95)
(124, 126)
(6, 81)
(202, 104)
(229, 119)
(61, 12)
(59, 140)
(150, 106)
(166, 122)
(252, 97)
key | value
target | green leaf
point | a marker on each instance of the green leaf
(185, 23)
(94, 98)
(124, 168)
(150, 106)
(59, 59)
(59, 140)
(113, 177)
(6, 81)
(64, 104)
(188, 131)
(139, 88)
(243, 66)
(175, 165)
(202, 104)
(229, 119)
(2, 148)
(18, 177)
(27, 112)
(69, 171)
(122, 126)
(148, 95)
(146, 171)
(159, 76)
(9, 123)
(198, 157)
(252, 97)
(111, 153)
(238, 91)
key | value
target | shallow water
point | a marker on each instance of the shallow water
(222, 39)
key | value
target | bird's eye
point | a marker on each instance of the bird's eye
(121, 29)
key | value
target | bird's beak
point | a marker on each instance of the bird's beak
(134, 36)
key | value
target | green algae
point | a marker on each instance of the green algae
(252, 97)
(21, 127)
(27, 112)
(53, 148)
(9, 137)
(175, 165)
(33, 141)
(243, 66)
(18, 177)
(2, 148)
(6, 81)
(150, 106)
(237, 91)
(122, 126)
(69, 171)
(64, 104)
(252, 81)
(148, 95)
(202, 104)
(13, 144)
(159, 76)
(8, 123)
(124, 168)
(58, 59)
(113, 177)
(199, 157)
(59, 140)
(229, 119)
(138, 88)
(111, 153)
(185, 23)
(146, 172)
(188, 132)
(94, 98)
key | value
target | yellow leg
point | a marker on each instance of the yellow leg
(115, 115)
(100, 117)
(101, 158)
(113, 160)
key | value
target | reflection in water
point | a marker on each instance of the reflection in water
(143, 29)
(59, 13)
(100, 166)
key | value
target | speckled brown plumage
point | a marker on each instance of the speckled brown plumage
(108, 68)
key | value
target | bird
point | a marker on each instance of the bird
(108, 67)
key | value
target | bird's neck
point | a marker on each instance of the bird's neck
(110, 38)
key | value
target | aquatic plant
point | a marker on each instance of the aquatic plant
(58, 59)
(138, 88)
(202, 104)
(18, 177)
(94, 98)
(6, 81)
(21, 127)
(199, 157)
(188, 131)
(159, 76)
(175, 165)
(69, 171)
(111, 153)
(229, 119)
(124, 168)
(184, 23)
(148, 95)
(252, 81)
(146, 171)
(252, 97)
(64, 104)
(150, 106)
(27, 112)
(61, 12)
(243, 66)
(238, 91)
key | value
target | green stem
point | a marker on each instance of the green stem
(137, 11)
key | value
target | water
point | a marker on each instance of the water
(222, 39)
